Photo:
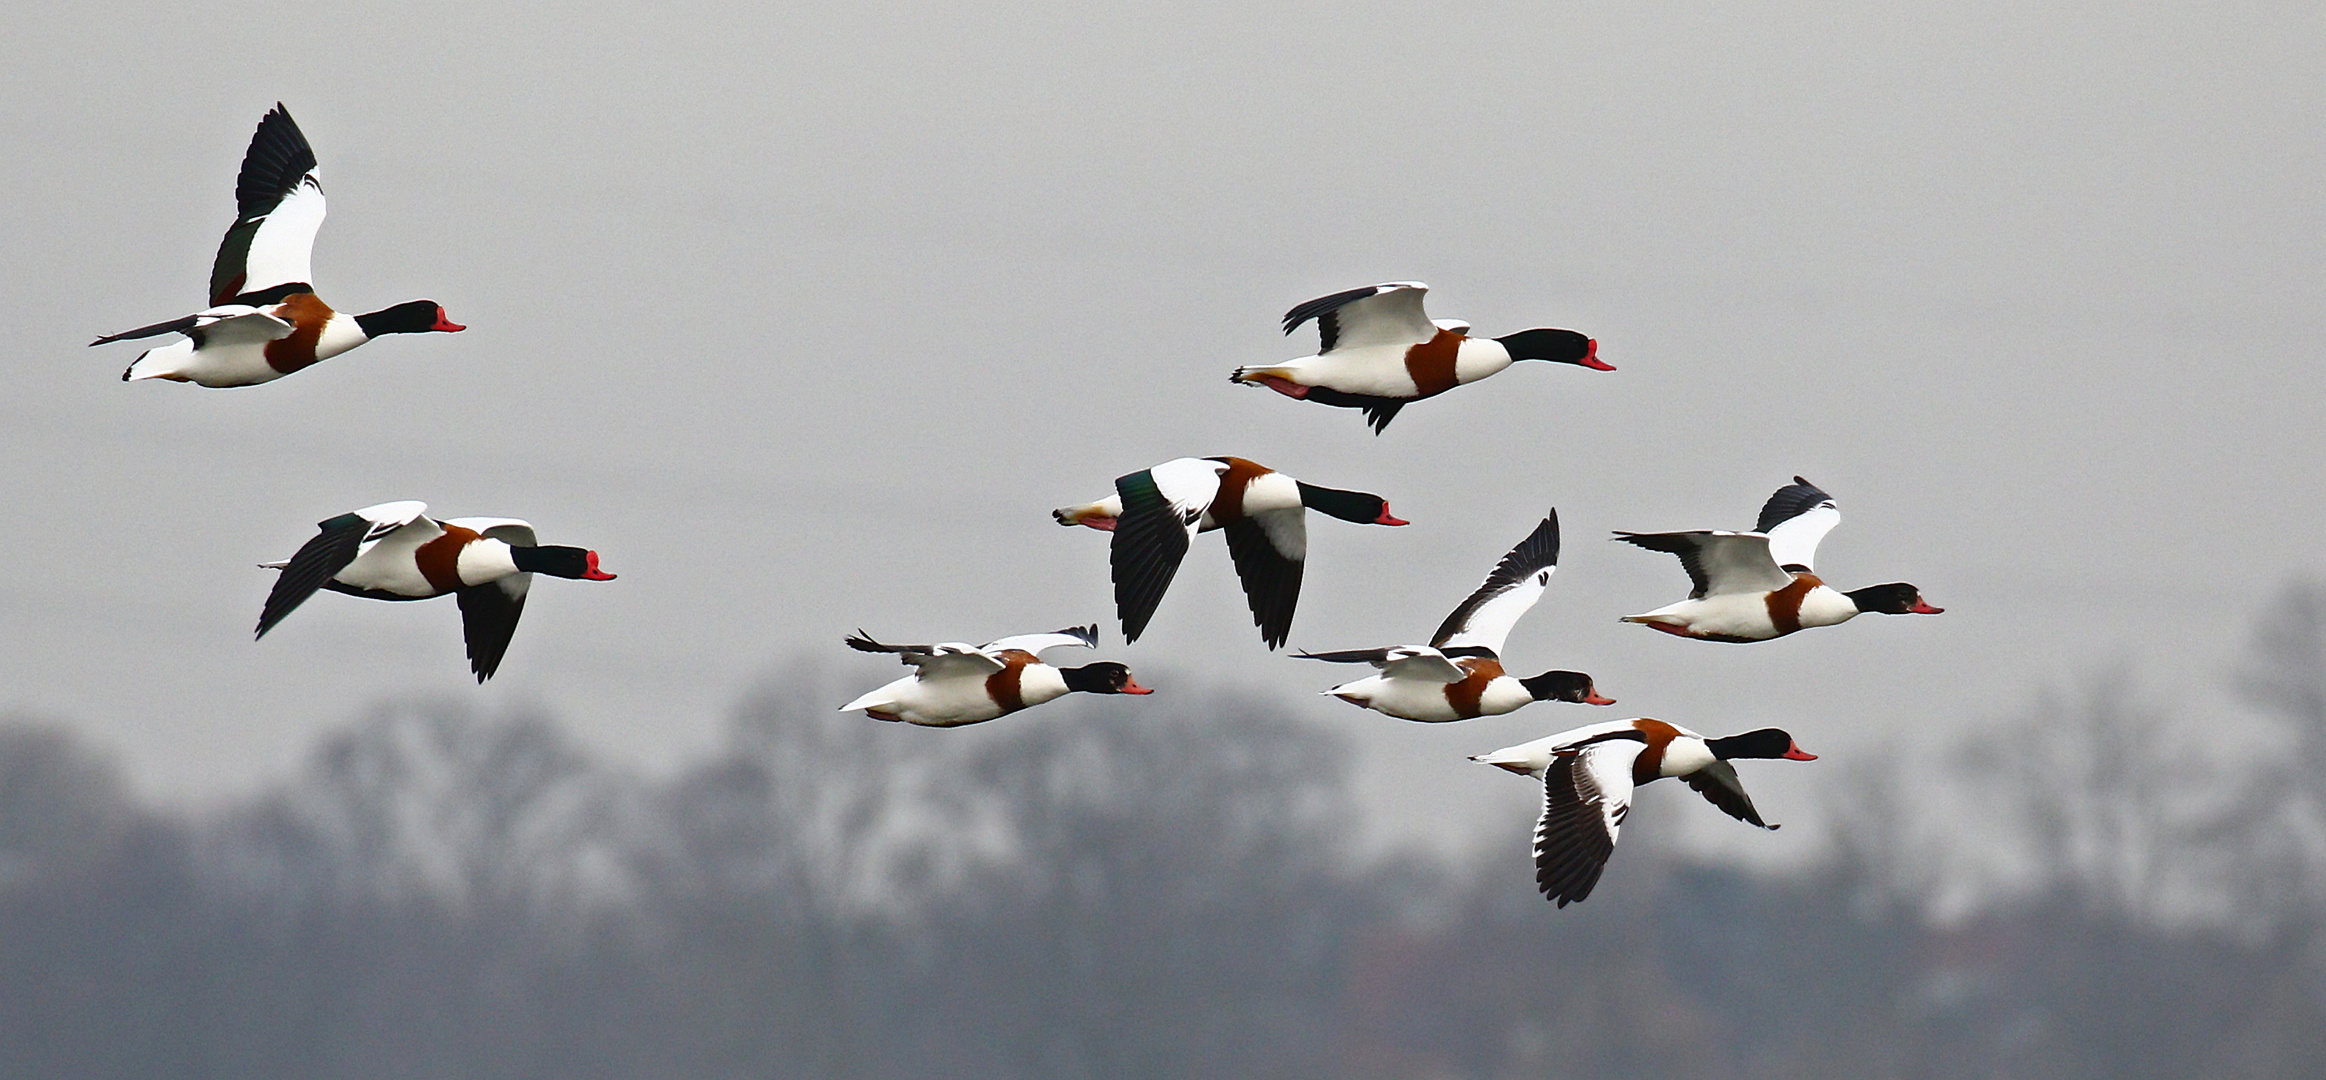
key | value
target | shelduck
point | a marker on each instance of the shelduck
(1378, 351)
(1459, 674)
(1588, 775)
(264, 320)
(395, 551)
(1758, 585)
(953, 684)
(1155, 513)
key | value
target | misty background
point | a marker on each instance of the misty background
(1100, 892)
(805, 316)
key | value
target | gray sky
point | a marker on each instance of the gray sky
(804, 319)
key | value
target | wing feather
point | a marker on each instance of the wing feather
(278, 202)
(1388, 313)
(317, 560)
(488, 619)
(1162, 508)
(1084, 636)
(1269, 551)
(1718, 783)
(1586, 795)
(1484, 620)
(1718, 562)
(1789, 502)
(943, 659)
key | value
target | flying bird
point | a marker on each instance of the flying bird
(1379, 351)
(1588, 775)
(1155, 513)
(953, 684)
(1758, 585)
(264, 320)
(395, 551)
(1459, 674)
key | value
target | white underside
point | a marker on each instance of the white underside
(951, 701)
(237, 363)
(1683, 755)
(1380, 371)
(1416, 699)
(1746, 615)
(389, 565)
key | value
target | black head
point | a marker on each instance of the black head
(1356, 506)
(413, 317)
(1564, 686)
(1104, 677)
(1768, 742)
(1560, 346)
(560, 561)
(1896, 598)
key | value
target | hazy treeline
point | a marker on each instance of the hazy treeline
(1158, 889)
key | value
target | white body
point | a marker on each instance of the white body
(1685, 754)
(1195, 482)
(388, 564)
(1746, 615)
(238, 358)
(1379, 370)
(1424, 699)
(951, 700)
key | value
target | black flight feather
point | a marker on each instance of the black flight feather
(1681, 544)
(1271, 581)
(1321, 309)
(1718, 783)
(271, 170)
(317, 560)
(1348, 656)
(1571, 842)
(1538, 552)
(1149, 542)
(488, 619)
(1789, 502)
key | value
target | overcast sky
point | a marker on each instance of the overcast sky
(804, 317)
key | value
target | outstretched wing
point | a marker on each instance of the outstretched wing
(1397, 662)
(278, 205)
(1388, 313)
(1718, 562)
(1484, 620)
(338, 542)
(1421, 665)
(489, 612)
(863, 642)
(1586, 795)
(1795, 519)
(1085, 636)
(1270, 550)
(488, 619)
(1718, 782)
(230, 324)
(932, 661)
(1162, 507)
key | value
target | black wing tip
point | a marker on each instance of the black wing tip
(1088, 634)
(280, 118)
(863, 642)
(1789, 502)
(1310, 309)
